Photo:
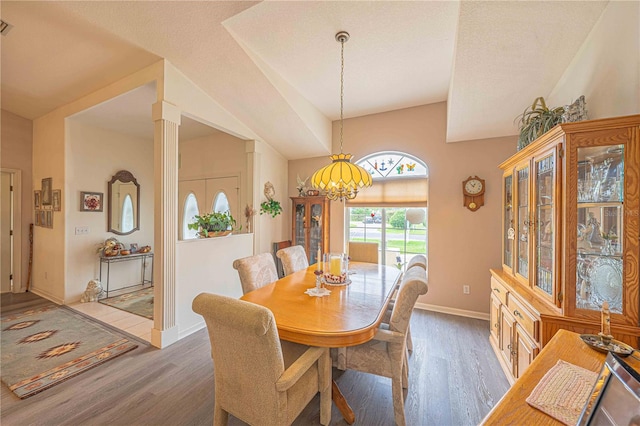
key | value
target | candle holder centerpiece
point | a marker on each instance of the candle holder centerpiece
(336, 268)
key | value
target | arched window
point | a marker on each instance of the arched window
(393, 211)
(127, 214)
(221, 203)
(190, 211)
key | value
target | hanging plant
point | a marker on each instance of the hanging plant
(537, 120)
(271, 207)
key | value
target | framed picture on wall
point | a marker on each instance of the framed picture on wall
(56, 200)
(37, 197)
(37, 218)
(41, 217)
(91, 201)
(46, 191)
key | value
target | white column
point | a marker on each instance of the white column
(166, 118)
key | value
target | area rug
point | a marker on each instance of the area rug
(45, 346)
(138, 302)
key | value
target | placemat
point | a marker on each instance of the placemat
(563, 392)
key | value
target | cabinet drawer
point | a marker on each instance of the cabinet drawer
(528, 321)
(498, 290)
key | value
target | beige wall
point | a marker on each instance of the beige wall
(463, 245)
(16, 153)
(93, 156)
(606, 69)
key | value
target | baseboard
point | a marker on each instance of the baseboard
(196, 327)
(47, 296)
(453, 311)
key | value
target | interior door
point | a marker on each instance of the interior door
(5, 231)
(230, 187)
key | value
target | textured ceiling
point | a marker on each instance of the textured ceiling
(275, 65)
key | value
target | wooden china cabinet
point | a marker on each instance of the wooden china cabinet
(311, 224)
(570, 239)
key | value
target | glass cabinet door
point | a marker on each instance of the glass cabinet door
(600, 219)
(522, 246)
(544, 184)
(508, 230)
(315, 232)
(300, 236)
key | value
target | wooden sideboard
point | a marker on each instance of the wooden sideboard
(513, 409)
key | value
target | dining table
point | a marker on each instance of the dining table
(348, 316)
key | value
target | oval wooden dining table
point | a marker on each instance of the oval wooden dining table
(348, 316)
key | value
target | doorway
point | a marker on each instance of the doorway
(10, 231)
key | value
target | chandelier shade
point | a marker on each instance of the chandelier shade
(340, 180)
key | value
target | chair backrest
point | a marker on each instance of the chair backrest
(293, 258)
(363, 252)
(255, 271)
(418, 259)
(247, 355)
(414, 283)
(277, 246)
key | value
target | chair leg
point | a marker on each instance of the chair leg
(398, 399)
(220, 416)
(405, 371)
(325, 381)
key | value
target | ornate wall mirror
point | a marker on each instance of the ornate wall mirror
(124, 203)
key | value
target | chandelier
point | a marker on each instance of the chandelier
(340, 180)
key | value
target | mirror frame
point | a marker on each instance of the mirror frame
(123, 176)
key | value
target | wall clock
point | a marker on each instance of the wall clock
(473, 193)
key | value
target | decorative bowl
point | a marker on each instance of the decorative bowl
(125, 252)
(313, 192)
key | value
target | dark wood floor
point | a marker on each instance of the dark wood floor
(455, 380)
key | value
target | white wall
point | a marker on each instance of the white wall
(16, 143)
(93, 156)
(205, 265)
(606, 69)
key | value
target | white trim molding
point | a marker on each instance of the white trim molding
(453, 311)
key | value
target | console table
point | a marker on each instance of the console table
(142, 257)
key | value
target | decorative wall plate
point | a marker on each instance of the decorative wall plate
(605, 277)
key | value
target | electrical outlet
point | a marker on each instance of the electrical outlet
(82, 230)
(465, 289)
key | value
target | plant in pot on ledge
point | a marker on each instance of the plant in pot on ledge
(213, 224)
(537, 120)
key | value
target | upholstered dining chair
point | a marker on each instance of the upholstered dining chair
(418, 259)
(293, 258)
(385, 354)
(363, 252)
(258, 378)
(255, 271)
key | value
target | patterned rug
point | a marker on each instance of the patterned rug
(137, 302)
(46, 346)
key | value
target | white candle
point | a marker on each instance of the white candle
(319, 258)
(606, 320)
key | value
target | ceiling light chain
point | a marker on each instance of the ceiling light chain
(340, 179)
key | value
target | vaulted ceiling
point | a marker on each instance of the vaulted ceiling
(275, 65)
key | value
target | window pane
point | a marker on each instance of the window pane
(190, 211)
(221, 203)
(400, 232)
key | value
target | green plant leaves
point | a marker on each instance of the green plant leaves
(271, 207)
(537, 120)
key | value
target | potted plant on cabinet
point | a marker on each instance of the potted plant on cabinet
(537, 120)
(214, 224)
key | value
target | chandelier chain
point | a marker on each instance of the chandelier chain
(342, 40)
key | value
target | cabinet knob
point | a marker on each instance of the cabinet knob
(517, 313)
(497, 290)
